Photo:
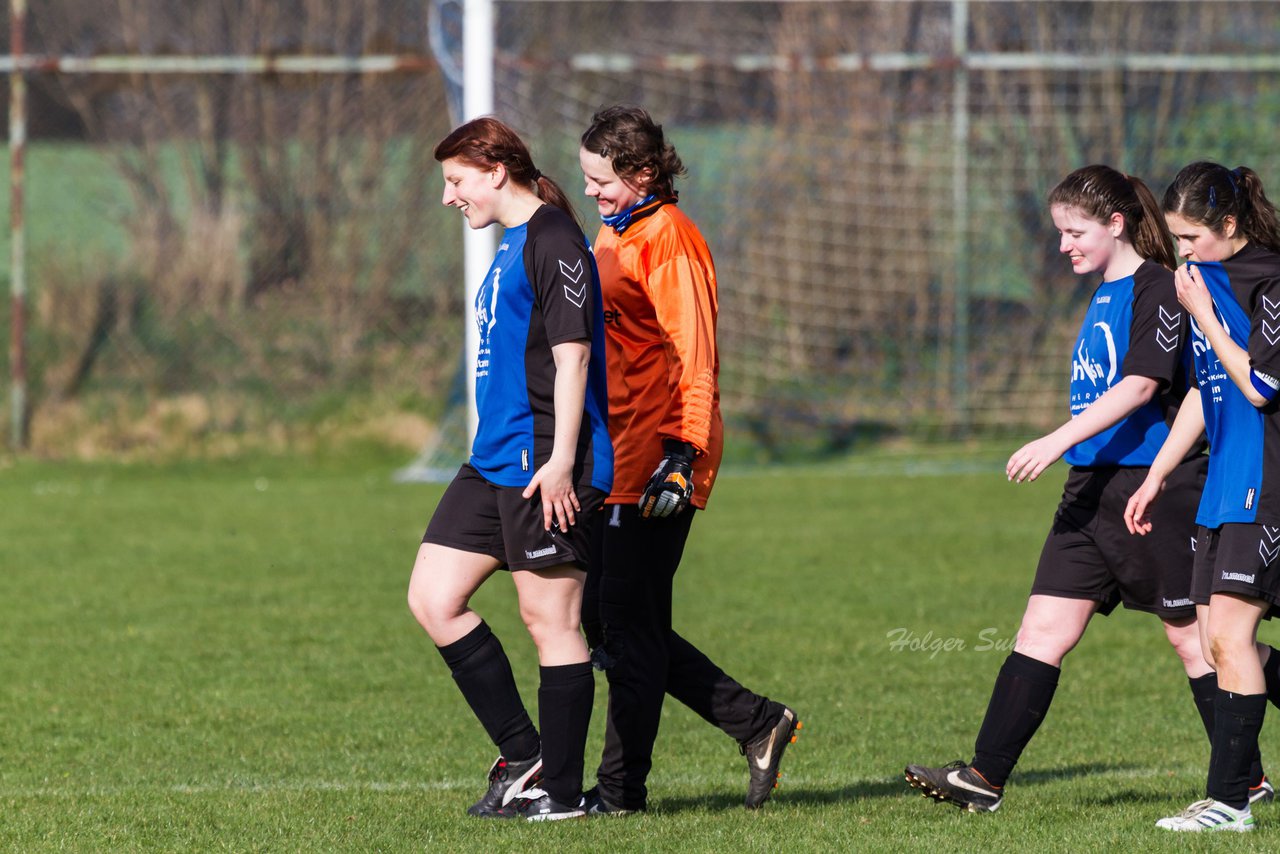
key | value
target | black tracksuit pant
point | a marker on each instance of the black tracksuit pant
(627, 610)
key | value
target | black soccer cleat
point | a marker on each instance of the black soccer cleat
(537, 805)
(764, 756)
(593, 803)
(506, 781)
(956, 784)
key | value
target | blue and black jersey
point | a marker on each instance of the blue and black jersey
(1134, 327)
(541, 290)
(1244, 441)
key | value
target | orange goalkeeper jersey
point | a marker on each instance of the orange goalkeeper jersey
(659, 288)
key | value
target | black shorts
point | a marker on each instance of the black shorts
(1090, 554)
(475, 515)
(1238, 558)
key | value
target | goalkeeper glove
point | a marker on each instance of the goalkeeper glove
(671, 486)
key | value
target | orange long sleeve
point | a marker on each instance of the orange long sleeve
(660, 302)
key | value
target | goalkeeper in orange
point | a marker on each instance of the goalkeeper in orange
(659, 290)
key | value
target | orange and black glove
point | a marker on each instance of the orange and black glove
(669, 489)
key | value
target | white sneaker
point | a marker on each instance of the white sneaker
(1209, 815)
(1262, 793)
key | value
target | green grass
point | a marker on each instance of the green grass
(218, 657)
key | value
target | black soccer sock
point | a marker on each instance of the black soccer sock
(564, 713)
(1204, 690)
(1237, 722)
(1271, 672)
(1021, 697)
(483, 673)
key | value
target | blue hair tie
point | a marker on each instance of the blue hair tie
(620, 221)
(1213, 198)
(1232, 176)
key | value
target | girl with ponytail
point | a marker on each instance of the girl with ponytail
(541, 464)
(1228, 233)
(1127, 381)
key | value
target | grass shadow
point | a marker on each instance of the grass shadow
(1169, 799)
(808, 796)
(894, 787)
(1069, 772)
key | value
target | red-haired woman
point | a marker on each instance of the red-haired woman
(540, 467)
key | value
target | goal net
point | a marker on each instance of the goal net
(871, 178)
(243, 252)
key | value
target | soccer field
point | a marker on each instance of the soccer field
(218, 657)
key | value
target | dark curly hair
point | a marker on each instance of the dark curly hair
(632, 142)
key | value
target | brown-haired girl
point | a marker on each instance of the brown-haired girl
(659, 287)
(1229, 233)
(1127, 380)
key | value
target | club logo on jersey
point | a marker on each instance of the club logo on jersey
(574, 274)
(1199, 343)
(1269, 544)
(1084, 366)
(487, 315)
(1167, 332)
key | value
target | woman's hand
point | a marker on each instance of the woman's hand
(555, 481)
(1029, 461)
(1192, 292)
(1137, 516)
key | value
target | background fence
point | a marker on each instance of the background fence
(232, 258)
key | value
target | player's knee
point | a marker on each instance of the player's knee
(1189, 650)
(1045, 642)
(542, 627)
(1227, 650)
(430, 609)
(420, 607)
(1185, 640)
(551, 630)
(1207, 653)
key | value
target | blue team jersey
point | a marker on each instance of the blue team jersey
(1134, 326)
(1244, 441)
(542, 289)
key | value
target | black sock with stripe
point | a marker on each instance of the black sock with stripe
(1204, 690)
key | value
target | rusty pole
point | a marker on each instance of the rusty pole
(17, 250)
